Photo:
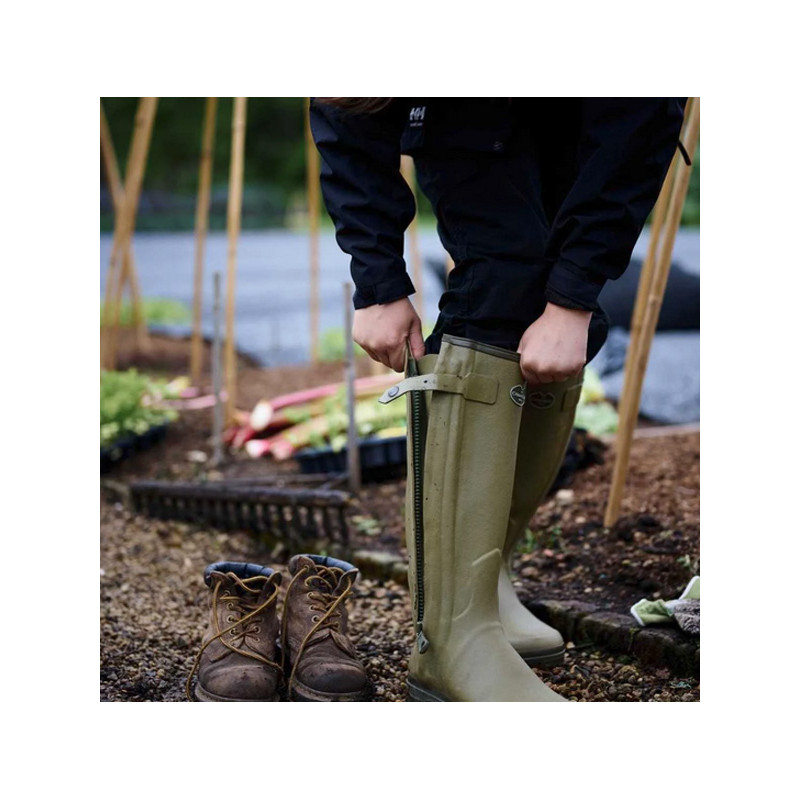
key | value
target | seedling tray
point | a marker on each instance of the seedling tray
(381, 459)
(126, 446)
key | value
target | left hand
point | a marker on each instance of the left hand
(554, 347)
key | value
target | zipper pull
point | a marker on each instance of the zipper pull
(422, 641)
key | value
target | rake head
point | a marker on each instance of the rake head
(295, 516)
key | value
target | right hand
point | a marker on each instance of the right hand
(382, 330)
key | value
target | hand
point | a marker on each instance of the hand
(554, 347)
(382, 330)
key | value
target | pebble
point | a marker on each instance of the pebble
(565, 497)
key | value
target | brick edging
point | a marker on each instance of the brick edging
(582, 623)
(655, 646)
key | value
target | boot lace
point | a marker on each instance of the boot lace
(328, 606)
(241, 626)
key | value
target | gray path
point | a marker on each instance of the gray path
(272, 318)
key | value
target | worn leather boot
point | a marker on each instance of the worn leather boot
(547, 419)
(463, 450)
(320, 658)
(237, 661)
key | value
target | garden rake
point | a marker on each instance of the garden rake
(296, 516)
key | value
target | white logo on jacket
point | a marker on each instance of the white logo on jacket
(417, 116)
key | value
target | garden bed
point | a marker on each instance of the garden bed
(153, 597)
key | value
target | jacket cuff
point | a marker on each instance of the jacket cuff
(572, 287)
(384, 292)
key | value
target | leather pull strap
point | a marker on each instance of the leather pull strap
(478, 388)
(411, 362)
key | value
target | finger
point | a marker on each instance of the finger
(382, 357)
(530, 375)
(385, 357)
(397, 358)
(370, 353)
(415, 340)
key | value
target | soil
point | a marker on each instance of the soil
(153, 596)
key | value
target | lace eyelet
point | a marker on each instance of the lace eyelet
(230, 606)
(233, 631)
(229, 619)
(315, 618)
(256, 630)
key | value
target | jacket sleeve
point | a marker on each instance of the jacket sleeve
(366, 196)
(624, 151)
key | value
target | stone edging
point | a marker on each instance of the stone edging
(655, 646)
(578, 622)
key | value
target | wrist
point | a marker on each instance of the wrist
(552, 310)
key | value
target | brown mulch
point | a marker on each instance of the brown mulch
(152, 595)
(654, 549)
(154, 606)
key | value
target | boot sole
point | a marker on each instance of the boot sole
(203, 696)
(303, 693)
(417, 693)
(554, 658)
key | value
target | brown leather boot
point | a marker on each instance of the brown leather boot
(237, 661)
(321, 660)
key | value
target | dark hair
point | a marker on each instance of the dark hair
(357, 105)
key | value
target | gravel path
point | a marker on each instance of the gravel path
(153, 607)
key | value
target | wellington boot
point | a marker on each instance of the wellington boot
(545, 427)
(547, 419)
(237, 660)
(461, 473)
(321, 661)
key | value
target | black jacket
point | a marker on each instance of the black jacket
(602, 163)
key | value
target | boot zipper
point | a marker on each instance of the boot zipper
(417, 401)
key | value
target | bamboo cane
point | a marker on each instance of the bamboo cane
(137, 313)
(234, 226)
(650, 319)
(200, 231)
(353, 455)
(646, 280)
(126, 221)
(144, 122)
(312, 182)
(410, 174)
(216, 373)
(110, 164)
(646, 277)
(109, 158)
(114, 277)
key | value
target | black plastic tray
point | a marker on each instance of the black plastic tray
(381, 459)
(126, 446)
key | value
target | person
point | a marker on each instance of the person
(539, 202)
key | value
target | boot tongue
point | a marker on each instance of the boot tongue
(264, 587)
(321, 579)
(346, 580)
(267, 587)
(296, 563)
(225, 581)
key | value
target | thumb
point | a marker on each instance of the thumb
(415, 339)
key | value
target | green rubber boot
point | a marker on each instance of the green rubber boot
(547, 419)
(461, 474)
